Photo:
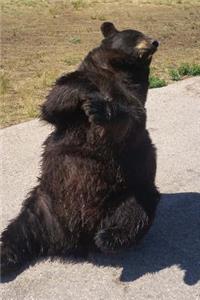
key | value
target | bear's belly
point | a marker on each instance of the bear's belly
(83, 190)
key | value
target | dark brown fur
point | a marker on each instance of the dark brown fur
(96, 187)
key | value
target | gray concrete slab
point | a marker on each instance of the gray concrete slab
(166, 265)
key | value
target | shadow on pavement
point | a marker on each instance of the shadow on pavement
(174, 239)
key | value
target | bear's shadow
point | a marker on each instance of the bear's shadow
(174, 239)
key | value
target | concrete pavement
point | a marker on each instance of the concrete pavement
(166, 265)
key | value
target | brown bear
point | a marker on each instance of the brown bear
(97, 185)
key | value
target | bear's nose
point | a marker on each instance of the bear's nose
(155, 43)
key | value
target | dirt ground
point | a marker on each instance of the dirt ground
(44, 38)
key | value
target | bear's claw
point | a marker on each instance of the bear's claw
(98, 111)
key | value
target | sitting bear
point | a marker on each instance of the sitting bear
(97, 184)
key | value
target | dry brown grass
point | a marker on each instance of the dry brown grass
(44, 38)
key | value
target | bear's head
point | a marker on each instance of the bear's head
(132, 45)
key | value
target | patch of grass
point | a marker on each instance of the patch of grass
(54, 11)
(27, 104)
(99, 17)
(31, 110)
(174, 74)
(24, 3)
(77, 4)
(4, 84)
(156, 82)
(28, 2)
(183, 70)
(75, 40)
(45, 79)
(168, 2)
(191, 70)
(71, 61)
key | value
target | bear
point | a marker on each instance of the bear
(96, 190)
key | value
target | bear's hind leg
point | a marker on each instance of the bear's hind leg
(124, 227)
(34, 233)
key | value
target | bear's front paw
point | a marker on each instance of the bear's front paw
(98, 111)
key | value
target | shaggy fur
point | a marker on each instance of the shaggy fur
(96, 187)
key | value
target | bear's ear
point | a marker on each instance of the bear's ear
(108, 28)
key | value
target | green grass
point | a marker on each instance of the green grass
(99, 17)
(77, 4)
(156, 82)
(75, 40)
(169, 2)
(4, 84)
(45, 79)
(72, 61)
(184, 70)
(174, 74)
